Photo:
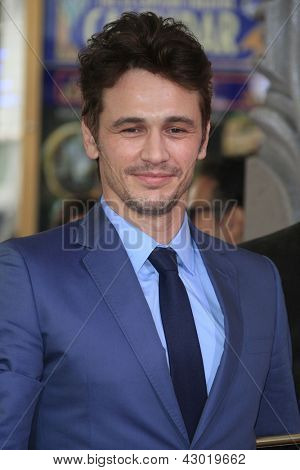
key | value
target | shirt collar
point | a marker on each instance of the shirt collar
(139, 245)
(182, 243)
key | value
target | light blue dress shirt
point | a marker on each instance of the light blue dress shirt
(208, 316)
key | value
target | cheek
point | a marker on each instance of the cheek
(186, 161)
(185, 151)
(123, 152)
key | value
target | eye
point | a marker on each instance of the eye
(176, 130)
(130, 130)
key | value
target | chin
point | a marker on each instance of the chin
(151, 207)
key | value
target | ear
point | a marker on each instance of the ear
(203, 148)
(89, 143)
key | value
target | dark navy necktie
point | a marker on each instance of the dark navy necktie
(185, 359)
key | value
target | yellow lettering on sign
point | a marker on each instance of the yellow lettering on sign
(229, 27)
(209, 34)
(218, 33)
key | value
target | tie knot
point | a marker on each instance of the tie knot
(163, 259)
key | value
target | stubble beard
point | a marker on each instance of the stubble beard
(144, 206)
(151, 208)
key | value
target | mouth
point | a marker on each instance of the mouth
(154, 179)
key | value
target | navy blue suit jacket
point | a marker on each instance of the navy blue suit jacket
(81, 363)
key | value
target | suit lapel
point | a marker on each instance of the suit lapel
(224, 280)
(109, 266)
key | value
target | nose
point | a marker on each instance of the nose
(154, 148)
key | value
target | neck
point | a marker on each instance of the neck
(162, 228)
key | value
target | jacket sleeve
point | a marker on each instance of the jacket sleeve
(21, 350)
(279, 410)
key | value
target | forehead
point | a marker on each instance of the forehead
(139, 92)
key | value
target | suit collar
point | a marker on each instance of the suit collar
(139, 245)
(108, 264)
(101, 224)
(91, 230)
(223, 276)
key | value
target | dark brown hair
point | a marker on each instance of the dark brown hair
(147, 41)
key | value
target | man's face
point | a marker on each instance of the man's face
(149, 140)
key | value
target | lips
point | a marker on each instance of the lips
(153, 178)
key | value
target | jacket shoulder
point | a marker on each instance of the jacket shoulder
(237, 255)
(44, 244)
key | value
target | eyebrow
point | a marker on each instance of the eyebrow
(183, 119)
(136, 120)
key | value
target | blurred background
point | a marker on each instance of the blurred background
(251, 177)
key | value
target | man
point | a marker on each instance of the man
(130, 329)
(216, 199)
(283, 247)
